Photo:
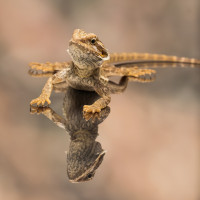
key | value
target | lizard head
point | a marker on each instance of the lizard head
(83, 159)
(86, 50)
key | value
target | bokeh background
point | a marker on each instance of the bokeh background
(152, 134)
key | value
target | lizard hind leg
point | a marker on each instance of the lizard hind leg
(39, 74)
(142, 75)
(136, 71)
(142, 79)
(140, 72)
(48, 66)
(45, 67)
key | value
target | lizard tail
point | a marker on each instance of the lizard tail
(126, 57)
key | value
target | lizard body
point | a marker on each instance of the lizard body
(91, 66)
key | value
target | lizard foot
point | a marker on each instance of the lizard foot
(95, 117)
(92, 116)
(91, 109)
(41, 100)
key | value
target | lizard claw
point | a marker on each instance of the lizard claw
(41, 100)
(91, 109)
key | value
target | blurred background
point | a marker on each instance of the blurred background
(152, 134)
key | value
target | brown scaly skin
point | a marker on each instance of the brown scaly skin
(91, 66)
(85, 154)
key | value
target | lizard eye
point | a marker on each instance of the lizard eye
(93, 41)
(89, 175)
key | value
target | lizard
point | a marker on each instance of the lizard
(92, 65)
(85, 154)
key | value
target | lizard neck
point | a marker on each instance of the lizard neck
(85, 73)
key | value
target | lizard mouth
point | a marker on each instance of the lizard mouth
(104, 54)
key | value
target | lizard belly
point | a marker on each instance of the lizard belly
(79, 83)
(81, 87)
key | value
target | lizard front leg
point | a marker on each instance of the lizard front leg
(46, 91)
(101, 103)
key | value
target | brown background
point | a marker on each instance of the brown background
(152, 134)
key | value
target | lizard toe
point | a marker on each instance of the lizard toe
(91, 109)
(40, 100)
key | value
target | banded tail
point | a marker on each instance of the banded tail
(127, 57)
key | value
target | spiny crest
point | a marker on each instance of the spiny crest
(82, 35)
